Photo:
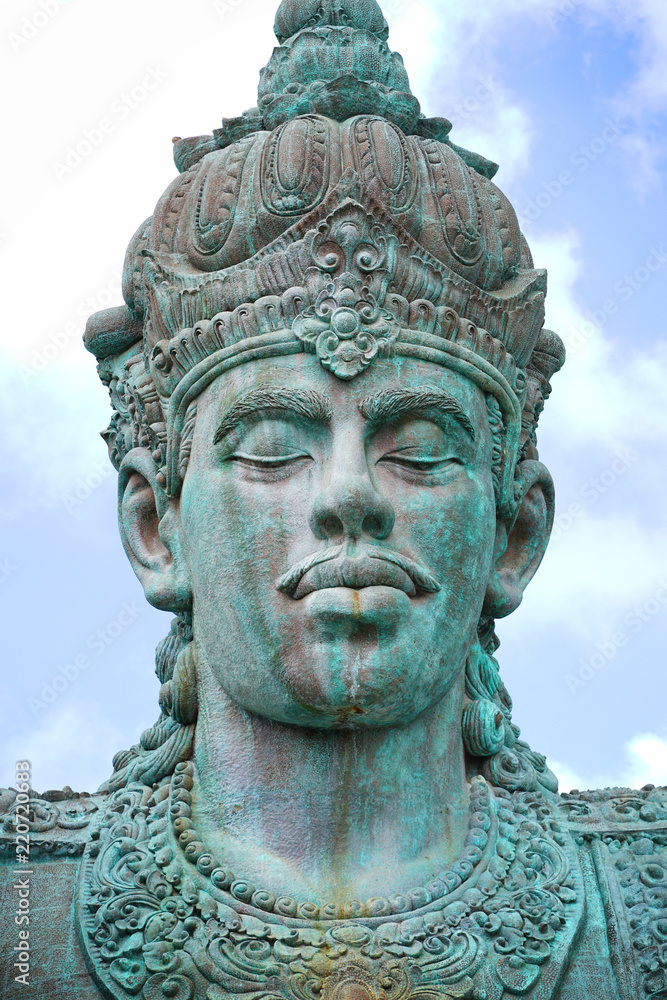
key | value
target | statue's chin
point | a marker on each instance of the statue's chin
(358, 668)
(342, 613)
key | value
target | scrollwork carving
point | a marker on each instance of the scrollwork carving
(641, 868)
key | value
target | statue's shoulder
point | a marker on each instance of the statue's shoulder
(607, 810)
(622, 838)
(58, 823)
(42, 841)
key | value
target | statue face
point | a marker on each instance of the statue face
(339, 537)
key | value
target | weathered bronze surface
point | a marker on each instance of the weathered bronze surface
(326, 384)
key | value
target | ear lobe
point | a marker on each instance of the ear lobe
(148, 522)
(520, 547)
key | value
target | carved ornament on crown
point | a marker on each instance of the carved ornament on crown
(346, 327)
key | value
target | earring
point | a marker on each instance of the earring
(178, 697)
(483, 728)
(483, 723)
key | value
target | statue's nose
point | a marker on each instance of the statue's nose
(351, 509)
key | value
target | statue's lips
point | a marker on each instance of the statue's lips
(369, 566)
(355, 574)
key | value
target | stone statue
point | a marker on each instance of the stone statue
(326, 383)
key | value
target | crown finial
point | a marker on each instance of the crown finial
(334, 61)
(295, 15)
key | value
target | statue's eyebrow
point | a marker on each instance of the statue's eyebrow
(307, 404)
(422, 401)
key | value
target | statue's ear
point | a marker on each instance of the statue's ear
(521, 544)
(150, 532)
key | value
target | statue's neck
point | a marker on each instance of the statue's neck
(329, 816)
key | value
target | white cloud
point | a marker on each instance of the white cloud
(645, 764)
(471, 27)
(607, 556)
(414, 29)
(648, 20)
(449, 52)
(466, 44)
(73, 739)
(55, 444)
(647, 761)
(568, 779)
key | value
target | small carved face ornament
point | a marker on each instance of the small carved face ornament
(339, 537)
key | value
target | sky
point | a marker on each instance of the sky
(570, 97)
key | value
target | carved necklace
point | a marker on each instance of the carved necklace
(444, 883)
(159, 917)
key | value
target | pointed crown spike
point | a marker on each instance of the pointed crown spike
(334, 60)
(295, 15)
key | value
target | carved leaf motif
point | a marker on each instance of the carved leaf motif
(244, 966)
(43, 816)
(516, 976)
(457, 198)
(386, 162)
(161, 957)
(130, 973)
(216, 197)
(295, 166)
(449, 959)
(173, 987)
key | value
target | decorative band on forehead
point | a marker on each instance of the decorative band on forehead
(189, 367)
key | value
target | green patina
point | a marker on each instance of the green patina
(326, 384)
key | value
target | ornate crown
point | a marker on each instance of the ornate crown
(311, 224)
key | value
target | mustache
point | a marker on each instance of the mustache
(371, 566)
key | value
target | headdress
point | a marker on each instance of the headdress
(334, 219)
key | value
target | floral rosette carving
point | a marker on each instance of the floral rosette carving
(160, 917)
(346, 332)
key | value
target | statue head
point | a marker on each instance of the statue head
(326, 384)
